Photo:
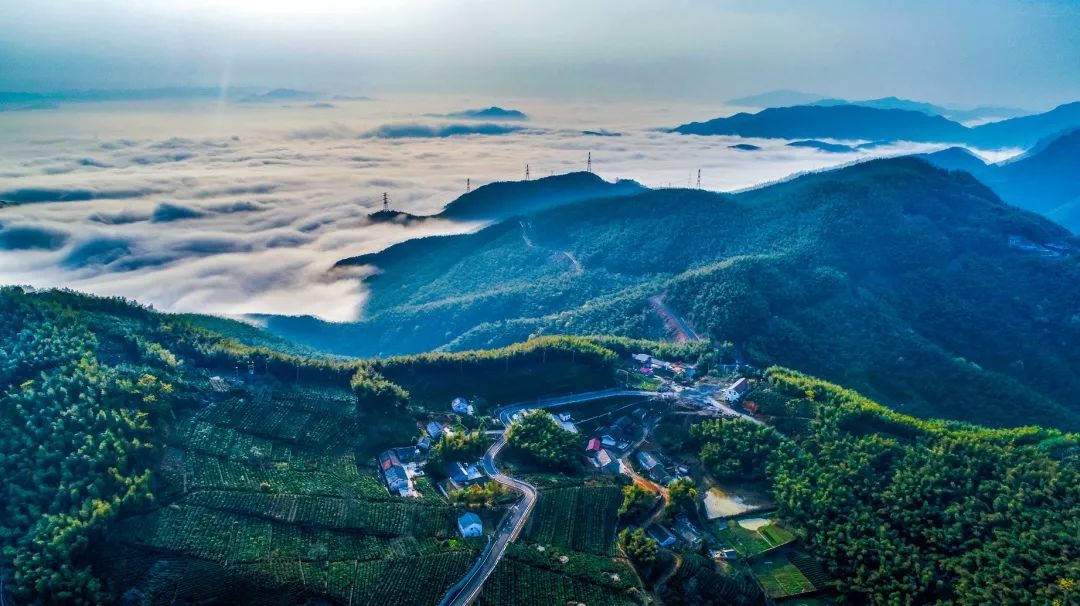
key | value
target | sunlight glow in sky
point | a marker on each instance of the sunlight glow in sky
(965, 52)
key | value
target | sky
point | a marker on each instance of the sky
(961, 52)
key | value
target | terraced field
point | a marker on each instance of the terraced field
(582, 518)
(270, 488)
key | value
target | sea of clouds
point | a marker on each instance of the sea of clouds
(234, 209)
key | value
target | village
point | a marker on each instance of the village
(732, 523)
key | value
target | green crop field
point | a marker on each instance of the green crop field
(529, 577)
(582, 518)
(780, 578)
(752, 542)
(776, 534)
(270, 486)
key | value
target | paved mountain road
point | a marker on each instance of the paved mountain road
(466, 590)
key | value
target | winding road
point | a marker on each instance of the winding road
(683, 331)
(466, 590)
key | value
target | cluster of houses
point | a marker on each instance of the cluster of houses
(460, 476)
(684, 530)
(613, 441)
(651, 365)
(603, 458)
(399, 466)
(658, 468)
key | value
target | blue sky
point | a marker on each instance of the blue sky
(963, 52)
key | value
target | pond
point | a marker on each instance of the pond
(720, 503)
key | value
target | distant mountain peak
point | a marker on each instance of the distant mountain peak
(488, 113)
(507, 198)
(282, 94)
(847, 121)
(776, 98)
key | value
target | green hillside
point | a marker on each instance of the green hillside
(912, 284)
(147, 459)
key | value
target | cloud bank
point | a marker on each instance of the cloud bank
(252, 206)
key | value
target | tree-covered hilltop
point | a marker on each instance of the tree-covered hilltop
(907, 511)
(912, 284)
(147, 457)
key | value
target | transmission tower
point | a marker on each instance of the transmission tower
(385, 201)
(699, 178)
(468, 185)
(526, 172)
(588, 164)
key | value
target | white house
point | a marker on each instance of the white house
(461, 406)
(469, 525)
(737, 389)
(647, 460)
(604, 460)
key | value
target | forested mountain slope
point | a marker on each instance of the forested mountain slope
(1043, 180)
(913, 284)
(905, 511)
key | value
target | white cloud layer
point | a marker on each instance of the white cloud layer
(231, 209)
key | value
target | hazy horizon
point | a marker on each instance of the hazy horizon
(964, 53)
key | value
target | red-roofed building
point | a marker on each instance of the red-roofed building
(750, 406)
(594, 445)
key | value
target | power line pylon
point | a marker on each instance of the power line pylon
(699, 178)
(468, 185)
(588, 164)
(385, 201)
(526, 172)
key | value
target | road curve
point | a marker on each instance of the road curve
(466, 590)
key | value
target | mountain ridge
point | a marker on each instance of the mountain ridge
(852, 121)
(1040, 180)
(589, 267)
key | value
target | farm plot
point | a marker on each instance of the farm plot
(531, 578)
(314, 418)
(395, 581)
(811, 569)
(752, 539)
(582, 518)
(230, 538)
(698, 580)
(780, 578)
(380, 518)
